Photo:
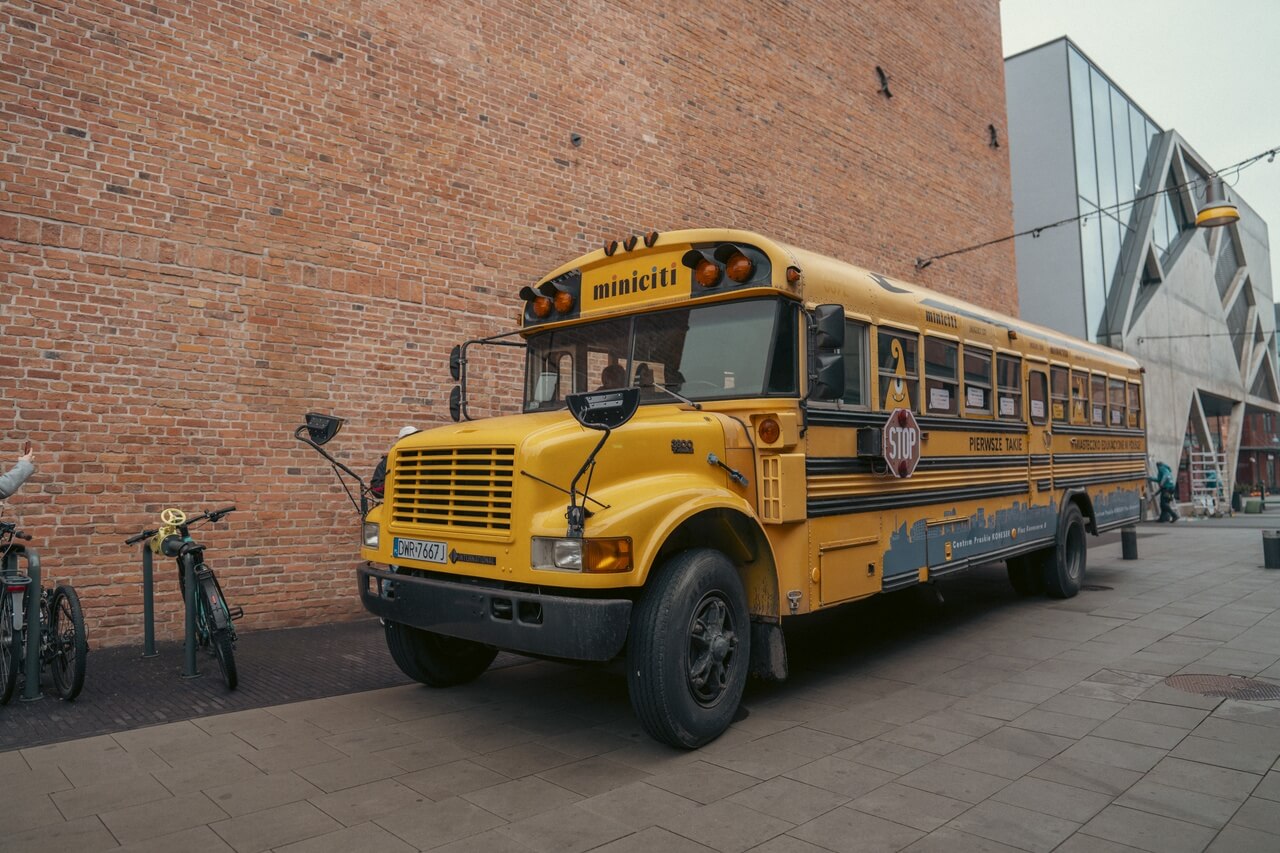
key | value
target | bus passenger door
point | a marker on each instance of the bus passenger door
(1040, 435)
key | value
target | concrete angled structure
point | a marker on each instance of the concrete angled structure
(1133, 271)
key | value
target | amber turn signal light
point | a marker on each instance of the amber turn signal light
(564, 301)
(739, 267)
(542, 307)
(706, 273)
(768, 430)
(608, 555)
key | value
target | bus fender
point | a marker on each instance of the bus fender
(1080, 497)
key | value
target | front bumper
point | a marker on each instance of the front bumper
(559, 626)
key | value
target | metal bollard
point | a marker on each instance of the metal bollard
(1128, 543)
(1271, 549)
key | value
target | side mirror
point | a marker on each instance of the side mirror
(321, 428)
(828, 378)
(455, 403)
(828, 322)
(605, 410)
(455, 363)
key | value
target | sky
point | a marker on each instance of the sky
(1207, 70)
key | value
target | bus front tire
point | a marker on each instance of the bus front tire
(434, 659)
(689, 649)
(1064, 568)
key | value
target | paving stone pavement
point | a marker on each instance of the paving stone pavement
(987, 722)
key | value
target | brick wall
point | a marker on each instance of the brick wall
(217, 216)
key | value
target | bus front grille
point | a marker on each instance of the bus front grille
(466, 488)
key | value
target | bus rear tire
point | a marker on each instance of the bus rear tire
(1064, 568)
(689, 649)
(1026, 575)
(434, 659)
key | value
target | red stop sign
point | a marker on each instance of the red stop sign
(900, 442)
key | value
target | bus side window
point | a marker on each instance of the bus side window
(1098, 392)
(1116, 387)
(899, 383)
(855, 363)
(1060, 394)
(977, 379)
(940, 382)
(1009, 386)
(1079, 397)
(1038, 393)
(1135, 405)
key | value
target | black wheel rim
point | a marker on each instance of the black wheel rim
(713, 644)
(62, 641)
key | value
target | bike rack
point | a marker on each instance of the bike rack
(189, 668)
(30, 685)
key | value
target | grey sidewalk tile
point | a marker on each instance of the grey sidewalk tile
(702, 782)
(1171, 696)
(367, 741)
(1080, 843)
(1180, 803)
(972, 786)
(1053, 723)
(197, 839)
(348, 772)
(884, 755)
(161, 817)
(565, 830)
(1257, 713)
(1235, 731)
(1240, 839)
(761, 762)
(850, 724)
(1053, 798)
(847, 778)
(1165, 715)
(907, 705)
(1149, 832)
(1032, 694)
(1056, 673)
(593, 775)
(964, 723)
(109, 794)
(726, 826)
(481, 738)
(1144, 734)
(1079, 706)
(1017, 827)
(24, 809)
(274, 827)
(1089, 775)
(261, 792)
(927, 738)
(433, 824)
(787, 844)
(207, 771)
(12, 763)
(522, 760)
(1269, 787)
(947, 840)
(521, 798)
(364, 837)
(1026, 742)
(653, 838)
(292, 755)
(219, 744)
(1235, 756)
(993, 707)
(990, 759)
(1200, 629)
(361, 803)
(86, 833)
(490, 841)
(638, 805)
(806, 741)
(1129, 756)
(847, 830)
(910, 806)
(586, 743)
(789, 800)
(1259, 814)
(275, 732)
(1205, 778)
(450, 780)
(185, 735)
(419, 755)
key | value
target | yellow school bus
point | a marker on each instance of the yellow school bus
(720, 433)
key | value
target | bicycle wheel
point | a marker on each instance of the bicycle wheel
(9, 652)
(67, 644)
(225, 650)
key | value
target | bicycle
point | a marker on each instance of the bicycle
(214, 619)
(60, 642)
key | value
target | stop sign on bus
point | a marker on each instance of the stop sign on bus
(900, 443)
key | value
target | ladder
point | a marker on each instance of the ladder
(1208, 486)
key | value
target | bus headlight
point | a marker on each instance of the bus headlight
(580, 555)
(370, 534)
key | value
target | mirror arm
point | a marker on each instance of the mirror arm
(492, 340)
(577, 514)
(299, 434)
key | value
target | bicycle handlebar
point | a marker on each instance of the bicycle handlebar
(11, 528)
(213, 515)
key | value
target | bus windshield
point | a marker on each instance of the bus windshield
(709, 352)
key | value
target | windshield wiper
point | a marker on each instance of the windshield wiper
(680, 397)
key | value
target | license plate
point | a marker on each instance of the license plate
(419, 549)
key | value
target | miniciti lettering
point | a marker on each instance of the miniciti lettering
(639, 282)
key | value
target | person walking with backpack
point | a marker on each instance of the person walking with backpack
(1167, 485)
